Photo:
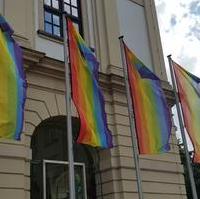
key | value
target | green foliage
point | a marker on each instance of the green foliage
(196, 172)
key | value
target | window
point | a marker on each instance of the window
(56, 180)
(53, 10)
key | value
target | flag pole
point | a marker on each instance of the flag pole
(68, 112)
(189, 167)
(132, 122)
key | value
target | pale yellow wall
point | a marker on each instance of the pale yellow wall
(20, 15)
(162, 175)
(14, 169)
(155, 41)
(108, 31)
(101, 30)
(106, 34)
(2, 7)
(52, 47)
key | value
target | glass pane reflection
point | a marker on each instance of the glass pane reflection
(55, 4)
(56, 31)
(67, 9)
(47, 16)
(48, 28)
(74, 2)
(56, 20)
(47, 2)
(57, 183)
(74, 12)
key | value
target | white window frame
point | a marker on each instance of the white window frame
(62, 163)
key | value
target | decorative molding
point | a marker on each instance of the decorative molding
(38, 63)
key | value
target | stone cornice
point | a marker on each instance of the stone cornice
(39, 63)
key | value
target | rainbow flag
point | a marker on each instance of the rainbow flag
(189, 95)
(152, 116)
(86, 93)
(12, 84)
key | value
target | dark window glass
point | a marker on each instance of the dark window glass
(53, 15)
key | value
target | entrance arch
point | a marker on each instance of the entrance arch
(50, 161)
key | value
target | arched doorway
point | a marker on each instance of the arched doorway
(49, 168)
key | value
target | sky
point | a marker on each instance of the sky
(179, 23)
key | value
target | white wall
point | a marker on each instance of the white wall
(51, 48)
(134, 28)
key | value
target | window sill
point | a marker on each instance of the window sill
(48, 36)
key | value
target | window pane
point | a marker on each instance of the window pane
(56, 31)
(67, 1)
(74, 2)
(48, 28)
(47, 2)
(47, 17)
(67, 9)
(74, 12)
(57, 181)
(55, 4)
(56, 20)
(79, 182)
(58, 184)
(36, 181)
(52, 14)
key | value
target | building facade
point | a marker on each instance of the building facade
(39, 161)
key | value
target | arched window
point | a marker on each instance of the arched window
(49, 168)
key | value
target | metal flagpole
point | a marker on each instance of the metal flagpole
(191, 176)
(132, 122)
(68, 112)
